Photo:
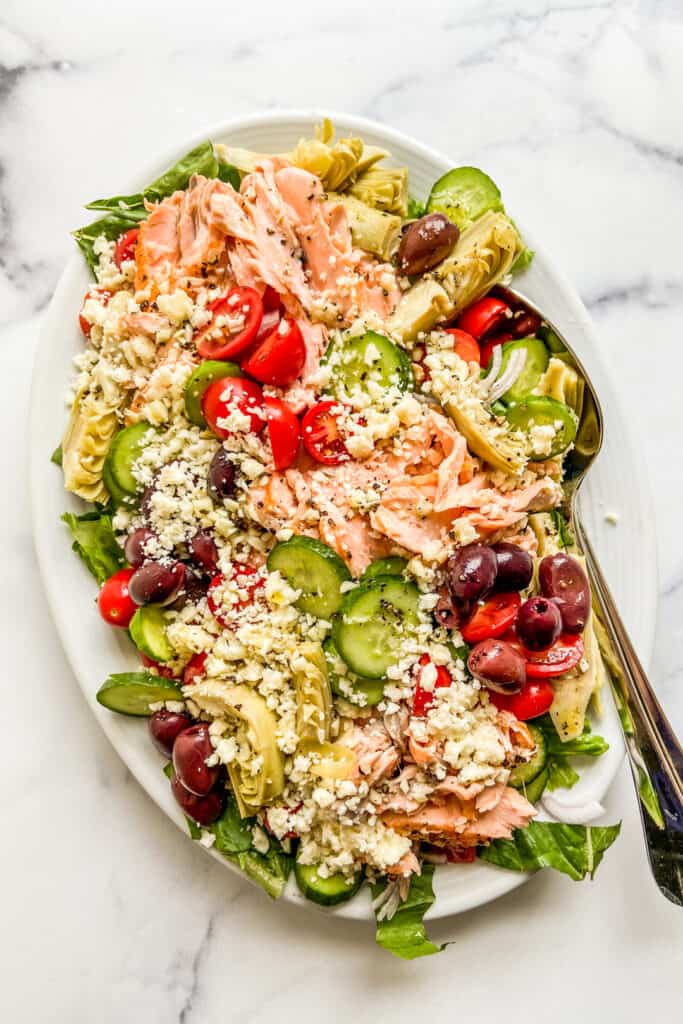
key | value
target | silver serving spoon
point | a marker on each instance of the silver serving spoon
(654, 752)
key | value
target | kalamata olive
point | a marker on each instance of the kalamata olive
(498, 666)
(564, 581)
(165, 727)
(154, 583)
(538, 623)
(515, 566)
(190, 751)
(134, 548)
(204, 552)
(524, 326)
(471, 572)
(202, 809)
(146, 502)
(448, 613)
(221, 476)
(425, 243)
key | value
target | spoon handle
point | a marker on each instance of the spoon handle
(653, 750)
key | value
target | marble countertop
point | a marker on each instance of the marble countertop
(108, 914)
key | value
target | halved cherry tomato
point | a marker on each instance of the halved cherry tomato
(321, 435)
(116, 605)
(239, 569)
(488, 346)
(291, 810)
(280, 357)
(271, 300)
(464, 345)
(283, 431)
(227, 394)
(483, 316)
(423, 699)
(163, 670)
(492, 618)
(461, 856)
(235, 323)
(534, 699)
(194, 668)
(560, 657)
(104, 295)
(125, 247)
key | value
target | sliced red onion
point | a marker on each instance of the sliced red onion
(510, 375)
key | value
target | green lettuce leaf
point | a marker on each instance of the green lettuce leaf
(230, 174)
(125, 212)
(575, 850)
(416, 209)
(404, 935)
(561, 775)
(233, 834)
(94, 541)
(564, 534)
(57, 456)
(271, 870)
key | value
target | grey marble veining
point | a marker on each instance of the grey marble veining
(574, 108)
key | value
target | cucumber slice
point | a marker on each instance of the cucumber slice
(552, 340)
(372, 690)
(372, 623)
(118, 496)
(328, 892)
(313, 568)
(392, 566)
(148, 632)
(197, 383)
(523, 774)
(131, 693)
(125, 449)
(371, 357)
(533, 791)
(535, 365)
(464, 194)
(539, 411)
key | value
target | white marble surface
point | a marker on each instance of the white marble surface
(107, 913)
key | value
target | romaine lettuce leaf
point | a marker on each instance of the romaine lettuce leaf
(404, 934)
(125, 212)
(575, 850)
(94, 541)
(271, 870)
(561, 775)
(57, 456)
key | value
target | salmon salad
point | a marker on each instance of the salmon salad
(325, 445)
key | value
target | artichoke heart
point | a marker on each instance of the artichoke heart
(91, 427)
(313, 694)
(373, 230)
(385, 188)
(561, 382)
(257, 778)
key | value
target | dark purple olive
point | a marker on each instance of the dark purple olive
(563, 580)
(221, 476)
(497, 665)
(515, 566)
(134, 548)
(154, 583)
(524, 325)
(204, 552)
(425, 243)
(165, 727)
(538, 623)
(190, 751)
(448, 613)
(471, 572)
(202, 809)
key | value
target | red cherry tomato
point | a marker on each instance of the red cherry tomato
(163, 670)
(235, 323)
(223, 396)
(464, 345)
(492, 618)
(104, 295)
(483, 316)
(533, 700)
(488, 346)
(560, 657)
(461, 856)
(321, 435)
(239, 570)
(125, 247)
(283, 431)
(423, 699)
(271, 300)
(194, 668)
(280, 357)
(116, 605)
